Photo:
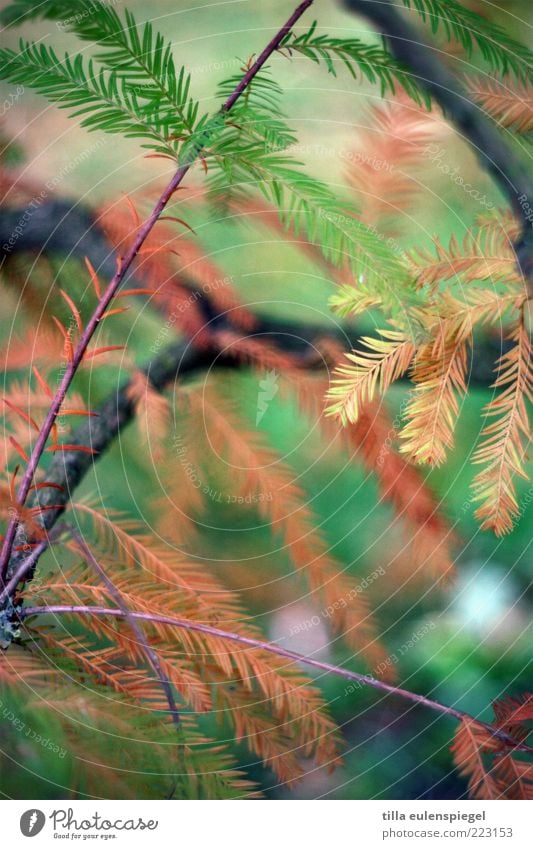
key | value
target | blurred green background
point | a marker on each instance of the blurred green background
(479, 645)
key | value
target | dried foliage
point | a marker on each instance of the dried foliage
(511, 107)
(434, 302)
(494, 772)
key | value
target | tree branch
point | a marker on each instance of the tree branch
(58, 227)
(511, 174)
(272, 648)
(123, 267)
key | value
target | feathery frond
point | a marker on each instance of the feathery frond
(502, 52)
(480, 256)
(440, 378)
(511, 107)
(104, 99)
(369, 371)
(381, 167)
(371, 61)
(471, 745)
(504, 442)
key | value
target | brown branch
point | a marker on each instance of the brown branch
(272, 648)
(511, 174)
(122, 269)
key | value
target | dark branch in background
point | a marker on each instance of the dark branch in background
(68, 468)
(511, 174)
(59, 228)
(181, 358)
(273, 648)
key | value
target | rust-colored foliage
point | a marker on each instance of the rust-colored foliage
(155, 626)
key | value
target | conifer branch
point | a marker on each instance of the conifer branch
(494, 154)
(179, 360)
(123, 267)
(272, 648)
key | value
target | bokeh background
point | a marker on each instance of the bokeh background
(476, 642)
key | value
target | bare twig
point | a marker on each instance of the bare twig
(511, 174)
(25, 569)
(188, 625)
(113, 287)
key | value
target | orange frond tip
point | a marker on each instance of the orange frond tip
(47, 485)
(22, 414)
(106, 348)
(69, 350)
(42, 382)
(158, 250)
(128, 293)
(84, 449)
(73, 307)
(35, 511)
(12, 482)
(133, 209)
(115, 311)
(159, 156)
(79, 413)
(178, 220)
(94, 278)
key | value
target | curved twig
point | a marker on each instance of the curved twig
(188, 625)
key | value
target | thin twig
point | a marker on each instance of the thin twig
(113, 287)
(25, 569)
(151, 655)
(189, 625)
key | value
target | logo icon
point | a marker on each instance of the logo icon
(32, 822)
(268, 389)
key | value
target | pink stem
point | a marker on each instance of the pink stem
(113, 287)
(189, 625)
